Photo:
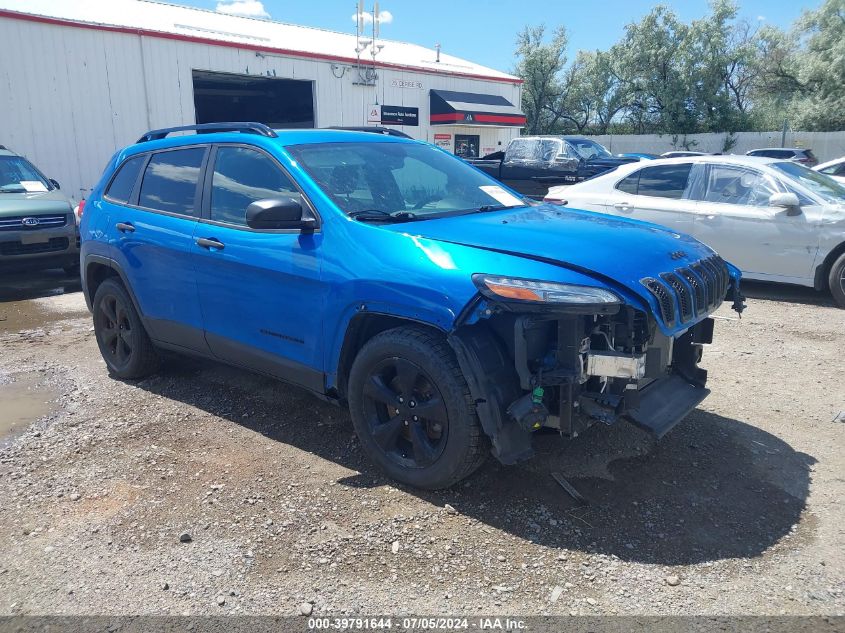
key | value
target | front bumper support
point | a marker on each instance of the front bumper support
(666, 402)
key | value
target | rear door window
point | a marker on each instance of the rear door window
(120, 189)
(664, 181)
(170, 181)
(241, 177)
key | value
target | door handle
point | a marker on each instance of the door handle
(125, 227)
(210, 243)
(622, 206)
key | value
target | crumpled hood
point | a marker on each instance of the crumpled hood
(33, 203)
(615, 250)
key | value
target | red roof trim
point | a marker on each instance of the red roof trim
(15, 15)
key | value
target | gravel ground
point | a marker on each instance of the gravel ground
(208, 490)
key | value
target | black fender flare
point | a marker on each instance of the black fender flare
(493, 384)
(113, 265)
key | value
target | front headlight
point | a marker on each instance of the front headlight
(542, 291)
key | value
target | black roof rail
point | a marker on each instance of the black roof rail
(208, 128)
(375, 129)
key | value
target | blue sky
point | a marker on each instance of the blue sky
(484, 31)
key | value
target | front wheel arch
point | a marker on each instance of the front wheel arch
(361, 329)
(823, 270)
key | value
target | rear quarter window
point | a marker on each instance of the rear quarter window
(120, 189)
(629, 183)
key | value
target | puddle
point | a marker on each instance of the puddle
(31, 300)
(21, 403)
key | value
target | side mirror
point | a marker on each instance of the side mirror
(788, 201)
(55, 183)
(278, 214)
(564, 162)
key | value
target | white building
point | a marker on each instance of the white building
(80, 79)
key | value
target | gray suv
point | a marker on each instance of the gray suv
(38, 228)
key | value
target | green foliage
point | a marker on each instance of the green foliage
(715, 74)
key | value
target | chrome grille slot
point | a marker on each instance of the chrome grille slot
(698, 289)
(682, 292)
(664, 298)
(16, 222)
(709, 282)
(685, 293)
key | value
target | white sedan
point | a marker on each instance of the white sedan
(776, 220)
(833, 168)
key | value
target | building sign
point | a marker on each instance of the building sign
(373, 112)
(444, 141)
(401, 83)
(400, 115)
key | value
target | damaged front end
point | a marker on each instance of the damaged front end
(585, 358)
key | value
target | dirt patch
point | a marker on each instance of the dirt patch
(741, 501)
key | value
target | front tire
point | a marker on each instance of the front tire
(412, 410)
(836, 281)
(121, 336)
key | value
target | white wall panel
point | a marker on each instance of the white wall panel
(70, 97)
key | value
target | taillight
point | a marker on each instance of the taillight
(80, 208)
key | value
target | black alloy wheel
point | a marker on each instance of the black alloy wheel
(114, 330)
(405, 412)
(121, 336)
(412, 409)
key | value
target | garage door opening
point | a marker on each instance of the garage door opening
(279, 103)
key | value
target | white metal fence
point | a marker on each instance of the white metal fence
(825, 145)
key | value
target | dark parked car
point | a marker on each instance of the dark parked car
(532, 164)
(37, 225)
(384, 274)
(803, 156)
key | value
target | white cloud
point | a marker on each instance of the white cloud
(761, 18)
(245, 8)
(384, 17)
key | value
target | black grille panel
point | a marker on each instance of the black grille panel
(688, 292)
(16, 248)
(699, 290)
(683, 293)
(16, 222)
(664, 299)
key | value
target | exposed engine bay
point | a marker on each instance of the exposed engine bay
(568, 371)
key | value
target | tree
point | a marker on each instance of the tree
(821, 68)
(538, 64)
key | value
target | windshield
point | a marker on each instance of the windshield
(823, 186)
(399, 181)
(17, 175)
(588, 149)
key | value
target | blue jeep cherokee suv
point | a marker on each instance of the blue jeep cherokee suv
(453, 316)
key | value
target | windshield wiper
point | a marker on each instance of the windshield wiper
(13, 189)
(496, 207)
(377, 215)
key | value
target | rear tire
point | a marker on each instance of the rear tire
(412, 409)
(836, 281)
(121, 336)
